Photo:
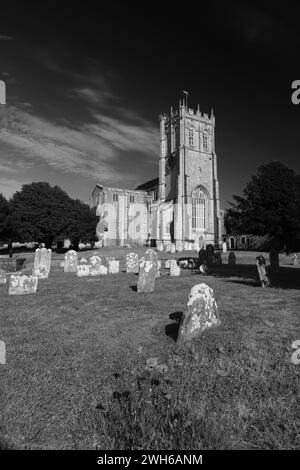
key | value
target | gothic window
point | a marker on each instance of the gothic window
(115, 197)
(191, 137)
(205, 140)
(199, 208)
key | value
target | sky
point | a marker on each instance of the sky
(86, 85)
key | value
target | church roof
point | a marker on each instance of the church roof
(149, 185)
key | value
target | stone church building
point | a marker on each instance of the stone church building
(182, 205)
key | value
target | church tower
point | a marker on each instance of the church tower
(188, 178)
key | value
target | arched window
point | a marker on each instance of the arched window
(199, 208)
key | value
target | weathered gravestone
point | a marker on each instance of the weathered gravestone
(71, 262)
(94, 264)
(113, 266)
(224, 247)
(167, 263)
(152, 256)
(2, 276)
(202, 313)
(179, 246)
(21, 284)
(42, 263)
(173, 248)
(203, 269)
(147, 275)
(132, 263)
(174, 268)
(274, 261)
(231, 258)
(262, 272)
(103, 270)
(83, 270)
(167, 247)
(295, 259)
(159, 246)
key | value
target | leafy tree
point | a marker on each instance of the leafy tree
(270, 205)
(47, 214)
(4, 211)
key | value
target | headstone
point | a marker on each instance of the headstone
(183, 263)
(167, 263)
(42, 263)
(274, 261)
(151, 255)
(94, 265)
(231, 258)
(185, 245)
(203, 269)
(261, 268)
(295, 259)
(113, 266)
(158, 266)
(173, 248)
(21, 284)
(83, 260)
(103, 270)
(147, 275)
(179, 246)
(174, 268)
(132, 263)
(62, 264)
(167, 247)
(224, 247)
(83, 270)
(2, 277)
(71, 262)
(202, 313)
(159, 246)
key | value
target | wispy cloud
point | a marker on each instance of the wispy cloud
(5, 37)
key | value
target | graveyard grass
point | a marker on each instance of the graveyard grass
(75, 376)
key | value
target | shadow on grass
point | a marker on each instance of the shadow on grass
(172, 329)
(286, 278)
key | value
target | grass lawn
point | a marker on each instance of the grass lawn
(76, 351)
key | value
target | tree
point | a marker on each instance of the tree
(82, 222)
(4, 210)
(270, 205)
(47, 214)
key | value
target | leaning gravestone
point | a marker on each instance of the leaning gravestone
(274, 261)
(174, 268)
(42, 263)
(231, 258)
(147, 275)
(113, 266)
(21, 284)
(83, 270)
(71, 262)
(132, 263)
(202, 312)
(94, 265)
(2, 277)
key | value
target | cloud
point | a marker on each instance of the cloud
(92, 150)
(5, 37)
